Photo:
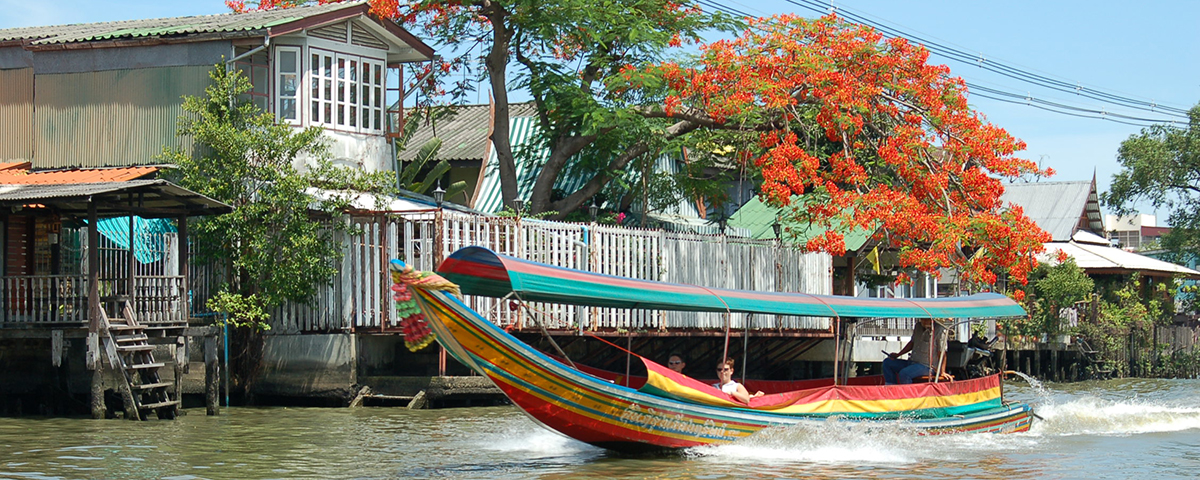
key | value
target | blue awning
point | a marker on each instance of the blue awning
(149, 246)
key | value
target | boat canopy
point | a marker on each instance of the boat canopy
(479, 271)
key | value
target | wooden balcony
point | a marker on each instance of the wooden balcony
(62, 300)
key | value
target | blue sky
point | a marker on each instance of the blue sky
(1146, 50)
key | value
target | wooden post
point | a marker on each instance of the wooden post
(180, 361)
(1037, 359)
(132, 265)
(211, 374)
(184, 270)
(1054, 364)
(93, 347)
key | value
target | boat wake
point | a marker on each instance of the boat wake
(1091, 416)
(846, 443)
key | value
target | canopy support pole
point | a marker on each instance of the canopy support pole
(545, 332)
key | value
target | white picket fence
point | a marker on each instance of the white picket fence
(359, 299)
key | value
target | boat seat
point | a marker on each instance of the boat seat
(944, 377)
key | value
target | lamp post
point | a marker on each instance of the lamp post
(778, 228)
(518, 206)
(594, 210)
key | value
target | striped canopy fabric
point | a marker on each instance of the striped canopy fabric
(479, 271)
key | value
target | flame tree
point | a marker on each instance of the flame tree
(844, 127)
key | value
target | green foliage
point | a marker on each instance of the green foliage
(240, 310)
(572, 56)
(272, 247)
(426, 153)
(1159, 166)
(1061, 286)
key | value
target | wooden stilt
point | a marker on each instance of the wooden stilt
(211, 375)
(180, 361)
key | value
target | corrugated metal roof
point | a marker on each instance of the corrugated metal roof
(464, 132)
(154, 198)
(60, 177)
(1057, 207)
(759, 217)
(1099, 259)
(249, 23)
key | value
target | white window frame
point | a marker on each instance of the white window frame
(279, 77)
(355, 93)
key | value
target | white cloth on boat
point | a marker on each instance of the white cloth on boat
(729, 388)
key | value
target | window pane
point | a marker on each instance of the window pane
(316, 89)
(328, 111)
(341, 69)
(353, 94)
(315, 65)
(328, 66)
(378, 95)
(341, 91)
(377, 115)
(378, 75)
(287, 108)
(287, 85)
(353, 70)
(316, 111)
(366, 96)
(341, 114)
(328, 90)
(353, 111)
(287, 61)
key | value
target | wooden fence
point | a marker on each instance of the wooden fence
(358, 298)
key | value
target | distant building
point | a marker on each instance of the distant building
(1136, 232)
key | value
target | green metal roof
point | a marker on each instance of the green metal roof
(758, 217)
(249, 23)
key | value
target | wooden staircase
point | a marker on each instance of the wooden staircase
(128, 349)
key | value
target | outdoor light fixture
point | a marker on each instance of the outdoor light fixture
(594, 210)
(723, 222)
(777, 227)
(518, 205)
(439, 195)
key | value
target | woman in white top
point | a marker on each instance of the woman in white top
(726, 384)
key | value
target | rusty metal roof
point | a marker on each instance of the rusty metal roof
(144, 198)
(464, 132)
(16, 175)
(226, 25)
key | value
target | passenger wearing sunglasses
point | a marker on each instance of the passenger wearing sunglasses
(675, 362)
(726, 384)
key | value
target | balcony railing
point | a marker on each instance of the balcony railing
(45, 299)
(63, 299)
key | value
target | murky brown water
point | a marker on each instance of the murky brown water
(1095, 430)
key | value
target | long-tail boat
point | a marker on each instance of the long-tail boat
(664, 409)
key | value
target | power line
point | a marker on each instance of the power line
(1011, 72)
(998, 67)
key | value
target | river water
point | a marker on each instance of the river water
(1113, 429)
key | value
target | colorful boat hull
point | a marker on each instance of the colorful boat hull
(598, 412)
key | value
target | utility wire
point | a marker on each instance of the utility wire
(1011, 72)
(998, 67)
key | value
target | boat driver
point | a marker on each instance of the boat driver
(926, 333)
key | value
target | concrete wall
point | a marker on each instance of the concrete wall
(307, 365)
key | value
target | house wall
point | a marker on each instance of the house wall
(112, 117)
(99, 107)
(16, 114)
